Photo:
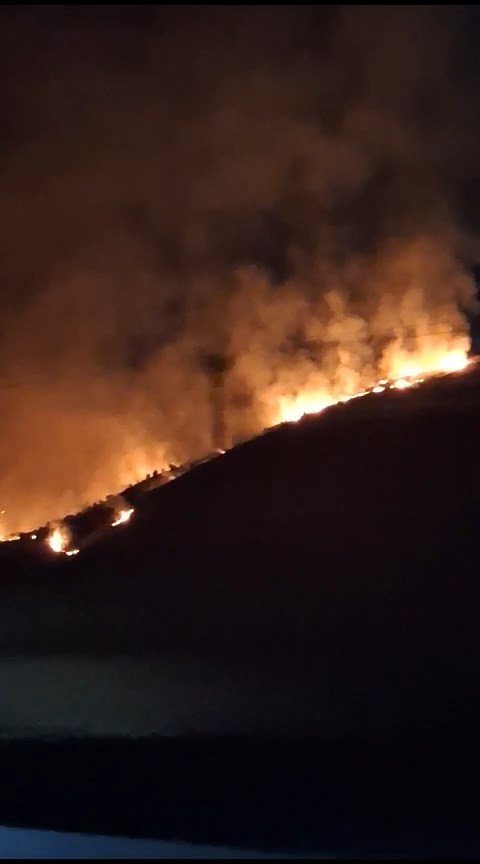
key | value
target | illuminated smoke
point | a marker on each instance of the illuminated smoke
(287, 200)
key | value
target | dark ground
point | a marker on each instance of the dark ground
(292, 795)
(343, 550)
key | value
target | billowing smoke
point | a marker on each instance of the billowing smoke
(279, 187)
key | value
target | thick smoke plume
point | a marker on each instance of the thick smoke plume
(278, 186)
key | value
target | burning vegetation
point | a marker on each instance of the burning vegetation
(122, 517)
(257, 245)
(412, 373)
(59, 539)
(116, 509)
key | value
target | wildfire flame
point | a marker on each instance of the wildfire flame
(405, 374)
(122, 516)
(401, 370)
(431, 358)
(454, 361)
(59, 539)
(292, 410)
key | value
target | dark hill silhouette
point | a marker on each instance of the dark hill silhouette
(348, 540)
(320, 580)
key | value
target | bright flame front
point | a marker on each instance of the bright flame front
(294, 409)
(401, 384)
(454, 361)
(403, 372)
(122, 516)
(59, 538)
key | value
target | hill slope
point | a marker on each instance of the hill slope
(344, 546)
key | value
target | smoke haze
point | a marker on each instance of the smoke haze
(284, 186)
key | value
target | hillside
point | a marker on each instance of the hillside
(345, 544)
(312, 592)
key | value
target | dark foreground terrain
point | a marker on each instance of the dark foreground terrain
(327, 572)
(303, 795)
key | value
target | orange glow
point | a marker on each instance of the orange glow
(405, 371)
(294, 409)
(122, 517)
(4, 537)
(454, 361)
(401, 384)
(355, 396)
(9, 538)
(59, 538)
(432, 357)
(409, 370)
(306, 389)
